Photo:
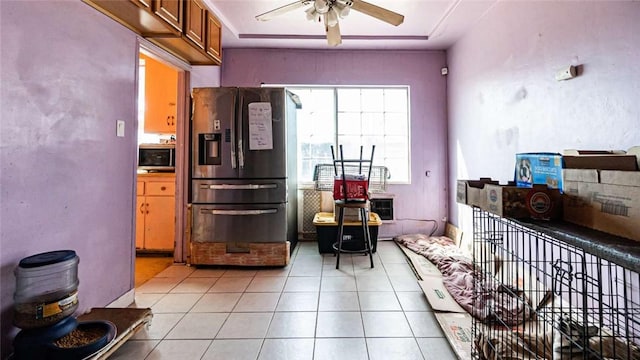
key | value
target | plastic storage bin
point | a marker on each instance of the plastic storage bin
(327, 231)
(46, 289)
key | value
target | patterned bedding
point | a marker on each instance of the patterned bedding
(494, 301)
(529, 337)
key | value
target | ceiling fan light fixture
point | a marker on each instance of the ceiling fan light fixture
(341, 9)
(313, 15)
(321, 6)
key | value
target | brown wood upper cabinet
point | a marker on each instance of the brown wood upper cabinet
(186, 28)
(171, 11)
(213, 37)
(195, 26)
(143, 3)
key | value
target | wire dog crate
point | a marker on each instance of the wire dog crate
(324, 175)
(543, 292)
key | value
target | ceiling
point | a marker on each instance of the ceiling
(428, 25)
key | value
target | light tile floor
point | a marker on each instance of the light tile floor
(306, 310)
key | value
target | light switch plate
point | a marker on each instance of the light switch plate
(120, 128)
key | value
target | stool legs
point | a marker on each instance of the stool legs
(340, 235)
(366, 234)
(365, 231)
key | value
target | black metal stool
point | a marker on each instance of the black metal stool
(360, 202)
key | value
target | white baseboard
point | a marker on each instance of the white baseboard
(125, 300)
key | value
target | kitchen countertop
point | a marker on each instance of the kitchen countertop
(144, 173)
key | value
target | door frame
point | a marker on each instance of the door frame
(182, 141)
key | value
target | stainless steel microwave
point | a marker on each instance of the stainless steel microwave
(158, 157)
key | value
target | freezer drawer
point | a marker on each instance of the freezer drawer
(239, 223)
(256, 191)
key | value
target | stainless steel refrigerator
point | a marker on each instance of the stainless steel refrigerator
(243, 167)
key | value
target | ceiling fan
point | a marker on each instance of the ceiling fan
(328, 11)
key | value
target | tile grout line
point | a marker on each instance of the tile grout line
(315, 327)
(281, 292)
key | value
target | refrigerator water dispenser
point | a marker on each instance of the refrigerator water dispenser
(209, 146)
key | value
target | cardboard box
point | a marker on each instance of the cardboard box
(539, 169)
(599, 159)
(457, 329)
(604, 200)
(635, 151)
(421, 264)
(439, 297)
(515, 202)
(454, 233)
(470, 192)
(546, 168)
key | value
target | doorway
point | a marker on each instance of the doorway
(162, 82)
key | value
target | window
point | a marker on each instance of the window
(351, 117)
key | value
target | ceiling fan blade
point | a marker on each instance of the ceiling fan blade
(377, 12)
(333, 35)
(283, 9)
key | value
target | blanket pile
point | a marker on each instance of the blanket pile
(490, 302)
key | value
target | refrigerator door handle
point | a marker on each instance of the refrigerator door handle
(240, 154)
(238, 187)
(240, 131)
(237, 212)
(233, 159)
(233, 150)
(240, 148)
(233, 143)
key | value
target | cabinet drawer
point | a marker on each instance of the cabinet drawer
(140, 188)
(160, 188)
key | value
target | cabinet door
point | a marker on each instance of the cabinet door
(171, 11)
(140, 217)
(145, 4)
(161, 97)
(160, 223)
(195, 22)
(213, 37)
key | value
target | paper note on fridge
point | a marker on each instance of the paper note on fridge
(260, 130)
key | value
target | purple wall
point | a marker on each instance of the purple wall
(68, 72)
(425, 197)
(205, 76)
(503, 97)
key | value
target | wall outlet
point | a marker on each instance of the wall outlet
(120, 128)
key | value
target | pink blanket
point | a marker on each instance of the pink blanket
(490, 301)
